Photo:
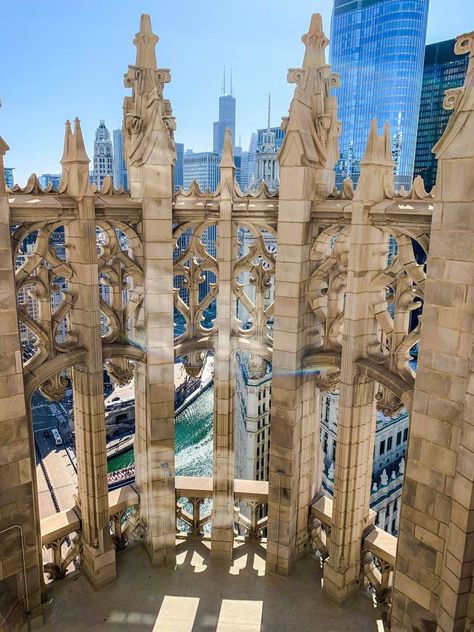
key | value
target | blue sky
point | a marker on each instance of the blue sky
(66, 58)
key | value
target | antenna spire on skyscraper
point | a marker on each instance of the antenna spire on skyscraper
(269, 106)
(223, 85)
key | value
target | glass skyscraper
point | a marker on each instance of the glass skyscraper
(443, 70)
(203, 167)
(226, 119)
(377, 47)
(8, 176)
(120, 166)
(178, 170)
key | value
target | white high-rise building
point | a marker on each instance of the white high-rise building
(103, 155)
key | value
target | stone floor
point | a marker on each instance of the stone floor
(204, 595)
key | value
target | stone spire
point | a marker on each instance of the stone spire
(316, 42)
(148, 117)
(145, 41)
(312, 129)
(376, 167)
(227, 159)
(75, 162)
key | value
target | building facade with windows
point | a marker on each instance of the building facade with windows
(178, 169)
(50, 178)
(378, 43)
(120, 166)
(203, 167)
(227, 107)
(103, 155)
(443, 70)
(391, 436)
(8, 175)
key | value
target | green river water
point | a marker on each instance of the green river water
(193, 440)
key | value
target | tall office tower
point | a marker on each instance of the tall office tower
(443, 70)
(8, 173)
(226, 118)
(103, 155)
(377, 47)
(203, 167)
(50, 178)
(120, 166)
(251, 160)
(178, 171)
(267, 167)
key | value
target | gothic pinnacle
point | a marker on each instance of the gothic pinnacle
(315, 41)
(145, 41)
(227, 159)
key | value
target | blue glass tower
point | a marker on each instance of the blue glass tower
(443, 70)
(378, 47)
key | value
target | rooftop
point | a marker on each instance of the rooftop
(240, 598)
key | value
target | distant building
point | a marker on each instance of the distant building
(103, 155)
(253, 417)
(276, 131)
(391, 436)
(203, 167)
(9, 180)
(377, 47)
(178, 171)
(267, 167)
(120, 166)
(47, 178)
(443, 70)
(227, 106)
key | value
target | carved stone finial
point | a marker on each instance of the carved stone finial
(316, 42)
(67, 141)
(376, 172)
(78, 148)
(378, 150)
(145, 41)
(227, 159)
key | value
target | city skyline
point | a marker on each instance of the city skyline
(30, 125)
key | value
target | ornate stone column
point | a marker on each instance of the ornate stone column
(98, 556)
(356, 421)
(306, 160)
(222, 534)
(433, 578)
(17, 456)
(150, 150)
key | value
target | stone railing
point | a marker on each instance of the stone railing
(61, 532)
(320, 522)
(379, 550)
(192, 492)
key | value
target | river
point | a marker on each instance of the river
(193, 439)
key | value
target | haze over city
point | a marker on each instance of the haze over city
(68, 59)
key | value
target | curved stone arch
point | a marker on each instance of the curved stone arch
(250, 345)
(72, 358)
(401, 389)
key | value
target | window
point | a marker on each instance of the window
(325, 448)
(382, 447)
(389, 443)
(334, 451)
(405, 434)
(399, 437)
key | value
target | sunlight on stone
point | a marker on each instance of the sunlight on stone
(131, 618)
(240, 615)
(176, 613)
(259, 565)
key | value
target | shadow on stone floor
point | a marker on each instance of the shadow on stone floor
(204, 595)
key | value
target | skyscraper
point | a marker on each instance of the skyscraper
(226, 118)
(377, 47)
(203, 167)
(8, 174)
(443, 70)
(267, 167)
(103, 155)
(178, 171)
(50, 178)
(120, 166)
